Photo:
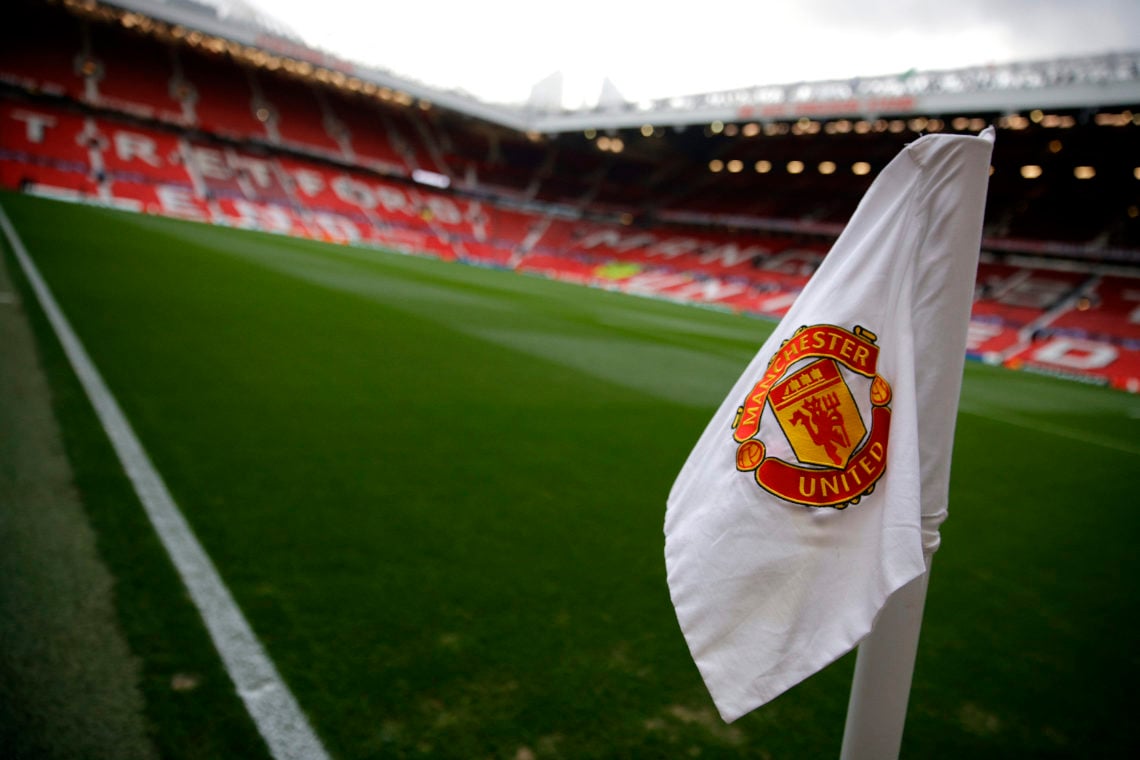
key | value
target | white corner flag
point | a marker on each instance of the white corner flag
(817, 490)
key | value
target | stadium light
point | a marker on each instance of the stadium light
(1013, 121)
(647, 130)
(1113, 119)
(716, 127)
(862, 127)
(432, 179)
(795, 167)
(827, 167)
(735, 166)
(763, 167)
(1055, 146)
(1084, 172)
(806, 126)
(716, 165)
(751, 129)
(1031, 171)
(860, 168)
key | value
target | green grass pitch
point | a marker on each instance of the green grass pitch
(437, 493)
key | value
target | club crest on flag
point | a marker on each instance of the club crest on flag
(837, 459)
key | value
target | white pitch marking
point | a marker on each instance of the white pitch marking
(270, 703)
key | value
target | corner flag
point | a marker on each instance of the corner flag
(818, 488)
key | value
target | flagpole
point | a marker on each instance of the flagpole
(884, 667)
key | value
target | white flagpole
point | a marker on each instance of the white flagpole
(884, 667)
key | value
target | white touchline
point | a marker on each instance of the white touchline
(267, 698)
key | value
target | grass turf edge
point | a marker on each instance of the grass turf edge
(192, 709)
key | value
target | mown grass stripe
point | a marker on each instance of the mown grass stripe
(267, 698)
(1051, 429)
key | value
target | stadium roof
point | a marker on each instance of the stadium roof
(1088, 82)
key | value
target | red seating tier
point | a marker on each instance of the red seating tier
(44, 132)
(1112, 311)
(1018, 297)
(224, 102)
(141, 152)
(300, 120)
(368, 135)
(19, 174)
(39, 48)
(125, 85)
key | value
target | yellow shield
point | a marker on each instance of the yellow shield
(817, 413)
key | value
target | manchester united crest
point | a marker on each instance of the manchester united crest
(835, 455)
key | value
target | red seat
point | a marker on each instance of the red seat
(224, 102)
(39, 50)
(45, 133)
(300, 120)
(124, 84)
(1019, 296)
(141, 152)
(167, 200)
(23, 175)
(1110, 311)
(368, 135)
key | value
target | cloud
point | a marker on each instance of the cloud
(498, 49)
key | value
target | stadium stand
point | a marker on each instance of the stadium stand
(736, 215)
(319, 188)
(120, 84)
(1023, 297)
(43, 133)
(414, 140)
(282, 220)
(299, 116)
(367, 134)
(223, 100)
(45, 179)
(1107, 310)
(40, 50)
(136, 152)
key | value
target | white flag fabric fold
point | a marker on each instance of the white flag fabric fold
(822, 480)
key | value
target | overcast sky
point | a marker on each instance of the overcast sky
(498, 49)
